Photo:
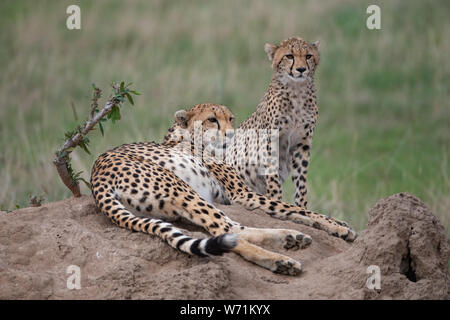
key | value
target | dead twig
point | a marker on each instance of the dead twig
(36, 201)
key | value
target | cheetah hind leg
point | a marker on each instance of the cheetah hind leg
(217, 223)
(275, 262)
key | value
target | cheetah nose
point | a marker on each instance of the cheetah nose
(301, 70)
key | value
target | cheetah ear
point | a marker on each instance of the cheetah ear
(316, 45)
(181, 118)
(270, 50)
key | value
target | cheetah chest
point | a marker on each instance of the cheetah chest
(301, 122)
(192, 171)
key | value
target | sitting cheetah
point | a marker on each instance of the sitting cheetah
(169, 180)
(289, 106)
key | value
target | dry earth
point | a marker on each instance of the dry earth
(37, 245)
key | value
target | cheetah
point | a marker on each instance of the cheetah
(289, 106)
(146, 186)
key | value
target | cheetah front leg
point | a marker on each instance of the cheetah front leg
(272, 174)
(284, 211)
(273, 187)
(299, 167)
(238, 192)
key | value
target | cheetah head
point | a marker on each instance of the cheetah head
(215, 123)
(294, 59)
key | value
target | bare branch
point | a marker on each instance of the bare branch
(61, 167)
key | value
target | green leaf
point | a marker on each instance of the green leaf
(84, 147)
(130, 99)
(101, 128)
(85, 182)
(118, 116)
(74, 110)
(122, 86)
(69, 134)
(77, 175)
(115, 114)
(135, 92)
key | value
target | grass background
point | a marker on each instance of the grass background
(384, 119)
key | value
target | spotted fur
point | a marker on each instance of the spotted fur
(140, 186)
(290, 107)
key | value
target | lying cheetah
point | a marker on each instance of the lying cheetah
(289, 106)
(169, 180)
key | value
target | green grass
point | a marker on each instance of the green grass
(384, 119)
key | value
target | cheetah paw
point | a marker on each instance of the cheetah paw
(288, 267)
(299, 241)
(347, 234)
(350, 236)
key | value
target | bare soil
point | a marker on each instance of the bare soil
(37, 244)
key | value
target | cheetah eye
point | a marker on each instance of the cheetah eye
(308, 56)
(231, 119)
(212, 120)
(289, 56)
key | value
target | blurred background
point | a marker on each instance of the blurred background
(384, 110)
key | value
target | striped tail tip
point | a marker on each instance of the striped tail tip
(228, 241)
(218, 245)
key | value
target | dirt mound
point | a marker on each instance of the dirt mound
(37, 245)
(409, 246)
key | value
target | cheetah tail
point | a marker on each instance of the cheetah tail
(116, 211)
